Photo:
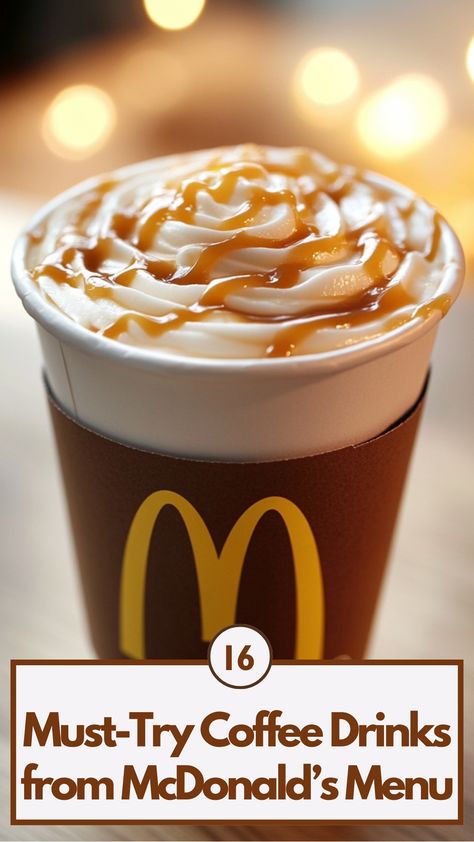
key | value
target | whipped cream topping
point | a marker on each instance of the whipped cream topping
(242, 252)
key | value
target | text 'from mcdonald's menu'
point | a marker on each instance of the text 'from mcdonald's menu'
(156, 742)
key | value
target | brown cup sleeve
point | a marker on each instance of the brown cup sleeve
(171, 550)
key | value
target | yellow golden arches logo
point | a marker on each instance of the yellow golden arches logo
(219, 575)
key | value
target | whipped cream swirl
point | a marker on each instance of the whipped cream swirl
(243, 252)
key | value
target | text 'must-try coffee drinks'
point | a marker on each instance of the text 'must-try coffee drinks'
(236, 344)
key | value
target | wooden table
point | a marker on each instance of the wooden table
(428, 602)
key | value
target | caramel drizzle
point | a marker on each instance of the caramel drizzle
(308, 249)
(375, 302)
(435, 240)
(183, 208)
(95, 200)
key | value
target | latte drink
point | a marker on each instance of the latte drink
(232, 329)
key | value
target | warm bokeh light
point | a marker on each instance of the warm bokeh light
(461, 215)
(152, 80)
(78, 121)
(470, 58)
(403, 117)
(173, 14)
(326, 76)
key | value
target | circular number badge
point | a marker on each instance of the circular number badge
(240, 656)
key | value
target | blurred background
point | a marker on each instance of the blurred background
(89, 85)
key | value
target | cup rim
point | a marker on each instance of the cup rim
(323, 362)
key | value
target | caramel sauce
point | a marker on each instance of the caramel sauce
(217, 291)
(183, 207)
(154, 325)
(56, 272)
(96, 197)
(441, 304)
(373, 265)
(96, 288)
(371, 305)
(94, 255)
(432, 251)
(123, 225)
(309, 248)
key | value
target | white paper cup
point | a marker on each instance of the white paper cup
(238, 409)
(233, 410)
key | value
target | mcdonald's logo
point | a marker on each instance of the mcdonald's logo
(218, 576)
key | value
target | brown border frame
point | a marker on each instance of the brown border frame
(293, 822)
